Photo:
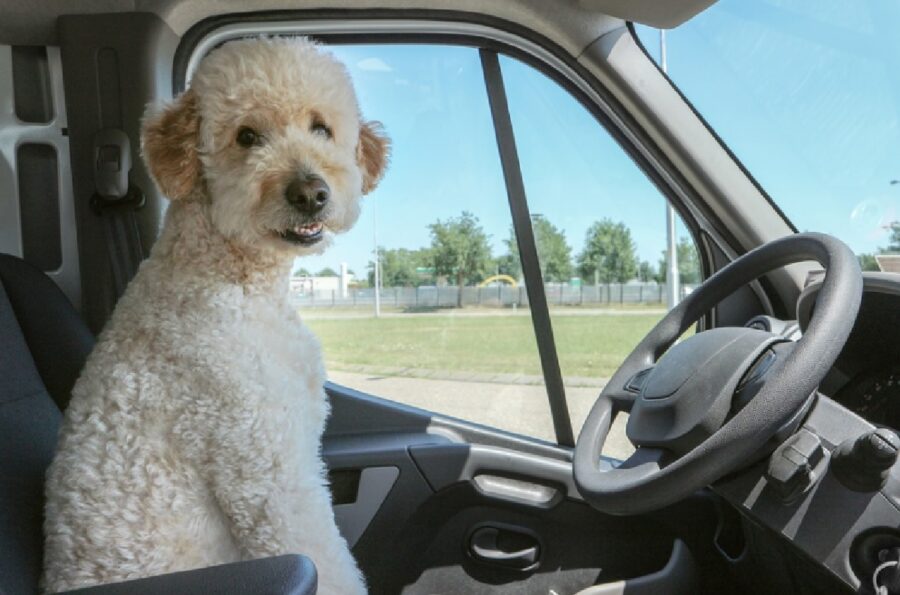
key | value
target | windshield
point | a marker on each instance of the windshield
(807, 94)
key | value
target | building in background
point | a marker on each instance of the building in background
(889, 263)
(308, 284)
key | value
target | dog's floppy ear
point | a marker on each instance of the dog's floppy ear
(372, 154)
(169, 143)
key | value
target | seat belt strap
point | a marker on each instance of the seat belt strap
(115, 201)
(122, 236)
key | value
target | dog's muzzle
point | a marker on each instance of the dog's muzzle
(308, 194)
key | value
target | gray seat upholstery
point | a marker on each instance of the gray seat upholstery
(43, 345)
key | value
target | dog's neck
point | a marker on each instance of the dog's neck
(189, 243)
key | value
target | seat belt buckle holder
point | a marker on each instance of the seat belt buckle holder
(112, 163)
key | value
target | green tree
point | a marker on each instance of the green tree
(301, 272)
(609, 251)
(509, 263)
(326, 272)
(460, 249)
(554, 252)
(688, 263)
(894, 245)
(399, 267)
(867, 262)
(646, 272)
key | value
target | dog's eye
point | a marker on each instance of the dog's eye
(321, 128)
(247, 137)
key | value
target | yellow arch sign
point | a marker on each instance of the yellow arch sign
(505, 278)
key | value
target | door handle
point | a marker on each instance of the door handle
(505, 546)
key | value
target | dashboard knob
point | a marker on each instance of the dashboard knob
(862, 464)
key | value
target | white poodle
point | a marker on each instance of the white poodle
(193, 435)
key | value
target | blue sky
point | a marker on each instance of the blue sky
(433, 104)
(805, 94)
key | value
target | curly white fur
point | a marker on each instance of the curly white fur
(193, 435)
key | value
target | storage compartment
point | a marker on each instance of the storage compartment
(38, 189)
(730, 540)
(31, 84)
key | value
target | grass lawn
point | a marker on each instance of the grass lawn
(591, 346)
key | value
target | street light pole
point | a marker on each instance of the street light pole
(672, 293)
(377, 261)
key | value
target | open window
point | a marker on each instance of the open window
(519, 248)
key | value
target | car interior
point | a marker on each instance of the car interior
(765, 442)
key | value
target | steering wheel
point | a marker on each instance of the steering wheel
(713, 401)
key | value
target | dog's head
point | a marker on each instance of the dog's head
(270, 137)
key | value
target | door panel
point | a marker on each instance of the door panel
(467, 503)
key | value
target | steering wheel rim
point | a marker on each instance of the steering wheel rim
(653, 477)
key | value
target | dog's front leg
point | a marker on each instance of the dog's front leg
(270, 485)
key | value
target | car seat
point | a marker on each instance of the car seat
(43, 346)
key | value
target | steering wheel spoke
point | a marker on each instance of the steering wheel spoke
(635, 384)
(623, 393)
(647, 459)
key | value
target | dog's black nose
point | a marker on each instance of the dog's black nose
(308, 193)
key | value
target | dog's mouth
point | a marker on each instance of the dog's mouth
(304, 235)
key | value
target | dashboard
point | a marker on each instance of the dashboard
(866, 376)
(841, 525)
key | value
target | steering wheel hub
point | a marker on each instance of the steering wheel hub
(687, 396)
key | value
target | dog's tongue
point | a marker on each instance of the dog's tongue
(308, 230)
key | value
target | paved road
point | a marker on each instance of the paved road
(519, 408)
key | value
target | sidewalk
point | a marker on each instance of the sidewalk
(516, 407)
(464, 376)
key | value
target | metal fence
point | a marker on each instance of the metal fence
(500, 296)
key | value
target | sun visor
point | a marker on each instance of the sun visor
(662, 15)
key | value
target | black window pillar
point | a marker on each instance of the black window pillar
(534, 283)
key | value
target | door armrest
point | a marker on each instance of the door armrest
(282, 575)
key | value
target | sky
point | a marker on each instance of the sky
(433, 104)
(806, 93)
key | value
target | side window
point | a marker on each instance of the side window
(443, 322)
(452, 334)
(600, 231)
